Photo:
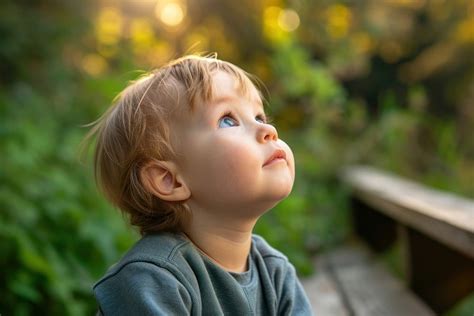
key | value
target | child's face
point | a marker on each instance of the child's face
(225, 145)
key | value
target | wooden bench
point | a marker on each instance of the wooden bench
(433, 229)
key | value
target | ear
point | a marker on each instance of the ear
(161, 178)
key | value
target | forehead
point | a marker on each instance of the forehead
(227, 86)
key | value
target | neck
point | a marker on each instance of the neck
(228, 245)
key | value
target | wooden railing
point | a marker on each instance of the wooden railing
(434, 228)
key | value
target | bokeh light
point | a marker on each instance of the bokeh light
(108, 30)
(338, 20)
(279, 22)
(109, 26)
(94, 64)
(288, 20)
(142, 35)
(170, 13)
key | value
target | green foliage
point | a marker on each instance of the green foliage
(57, 234)
(463, 308)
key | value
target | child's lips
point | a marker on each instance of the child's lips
(278, 155)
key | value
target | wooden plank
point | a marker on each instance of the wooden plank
(443, 216)
(323, 293)
(369, 289)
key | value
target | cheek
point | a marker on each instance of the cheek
(292, 164)
(235, 162)
(222, 163)
(289, 157)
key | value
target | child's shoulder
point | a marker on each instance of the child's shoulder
(162, 250)
(272, 262)
(157, 247)
(157, 263)
(265, 250)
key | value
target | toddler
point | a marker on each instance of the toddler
(187, 153)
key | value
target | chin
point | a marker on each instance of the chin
(279, 195)
(282, 190)
(285, 194)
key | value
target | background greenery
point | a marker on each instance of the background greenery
(389, 83)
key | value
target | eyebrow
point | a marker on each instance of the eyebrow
(228, 98)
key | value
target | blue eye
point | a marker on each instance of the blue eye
(261, 119)
(227, 121)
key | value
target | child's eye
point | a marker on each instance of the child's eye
(261, 119)
(227, 121)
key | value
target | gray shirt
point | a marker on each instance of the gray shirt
(164, 274)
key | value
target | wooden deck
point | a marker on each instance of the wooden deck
(349, 281)
(434, 228)
(435, 232)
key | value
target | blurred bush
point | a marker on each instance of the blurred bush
(57, 235)
(388, 83)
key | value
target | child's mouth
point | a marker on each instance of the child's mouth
(277, 156)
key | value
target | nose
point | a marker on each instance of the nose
(266, 133)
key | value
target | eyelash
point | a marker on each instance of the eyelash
(266, 119)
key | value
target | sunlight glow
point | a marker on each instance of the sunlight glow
(339, 19)
(271, 29)
(171, 13)
(288, 20)
(109, 26)
(94, 64)
(141, 35)
(278, 23)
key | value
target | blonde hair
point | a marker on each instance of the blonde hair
(136, 129)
